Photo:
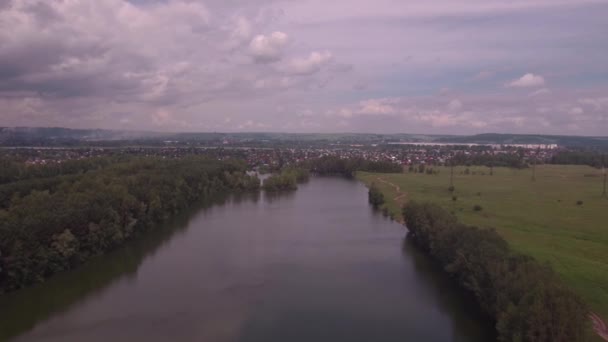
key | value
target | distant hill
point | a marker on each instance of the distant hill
(43, 136)
(57, 136)
(561, 140)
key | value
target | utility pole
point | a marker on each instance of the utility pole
(492, 163)
(452, 173)
(604, 170)
(534, 165)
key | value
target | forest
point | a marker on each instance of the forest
(52, 221)
(527, 299)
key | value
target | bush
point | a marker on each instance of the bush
(477, 207)
(579, 202)
(451, 188)
(454, 198)
(375, 196)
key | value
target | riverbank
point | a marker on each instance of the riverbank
(543, 218)
(316, 264)
(54, 224)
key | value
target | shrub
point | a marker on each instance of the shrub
(451, 188)
(454, 198)
(579, 202)
(375, 196)
(477, 207)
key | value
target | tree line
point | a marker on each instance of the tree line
(52, 224)
(593, 159)
(14, 169)
(330, 165)
(526, 299)
(490, 160)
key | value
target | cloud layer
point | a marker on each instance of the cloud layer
(440, 66)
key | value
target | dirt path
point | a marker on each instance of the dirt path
(599, 326)
(400, 198)
(400, 195)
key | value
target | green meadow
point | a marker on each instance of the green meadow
(560, 218)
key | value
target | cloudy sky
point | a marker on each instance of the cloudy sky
(410, 66)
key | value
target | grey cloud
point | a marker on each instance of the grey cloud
(190, 64)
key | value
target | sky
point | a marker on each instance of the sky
(376, 66)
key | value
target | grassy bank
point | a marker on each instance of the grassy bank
(560, 218)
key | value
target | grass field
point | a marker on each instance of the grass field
(540, 218)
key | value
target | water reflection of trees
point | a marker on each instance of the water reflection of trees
(246, 197)
(454, 302)
(22, 310)
(272, 197)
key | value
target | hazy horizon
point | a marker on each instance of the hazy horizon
(268, 66)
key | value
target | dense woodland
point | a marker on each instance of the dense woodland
(527, 299)
(50, 222)
(14, 169)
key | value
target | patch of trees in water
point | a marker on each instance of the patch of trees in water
(52, 224)
(526, 299)
(286, 180)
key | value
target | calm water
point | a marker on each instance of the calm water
(314, 265)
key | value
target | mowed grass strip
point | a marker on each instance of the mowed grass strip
(560, 218)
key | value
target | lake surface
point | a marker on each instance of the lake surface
(317, 264)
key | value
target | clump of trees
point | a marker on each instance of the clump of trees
(53, 224)
(302, 175)
(280, 182)
(331, 165)
(527, 300)
(375, 196)
(286, 180)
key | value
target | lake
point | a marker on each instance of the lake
(317, 264)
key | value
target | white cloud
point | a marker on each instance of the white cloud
(267, 49)
(527, 80)
(539, 92)
(597, 103)
(484, 75)
(377, 107)
(240, 29)
(455, 104)
(576, 111)
(309, 65)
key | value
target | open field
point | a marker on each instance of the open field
(540, 218)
